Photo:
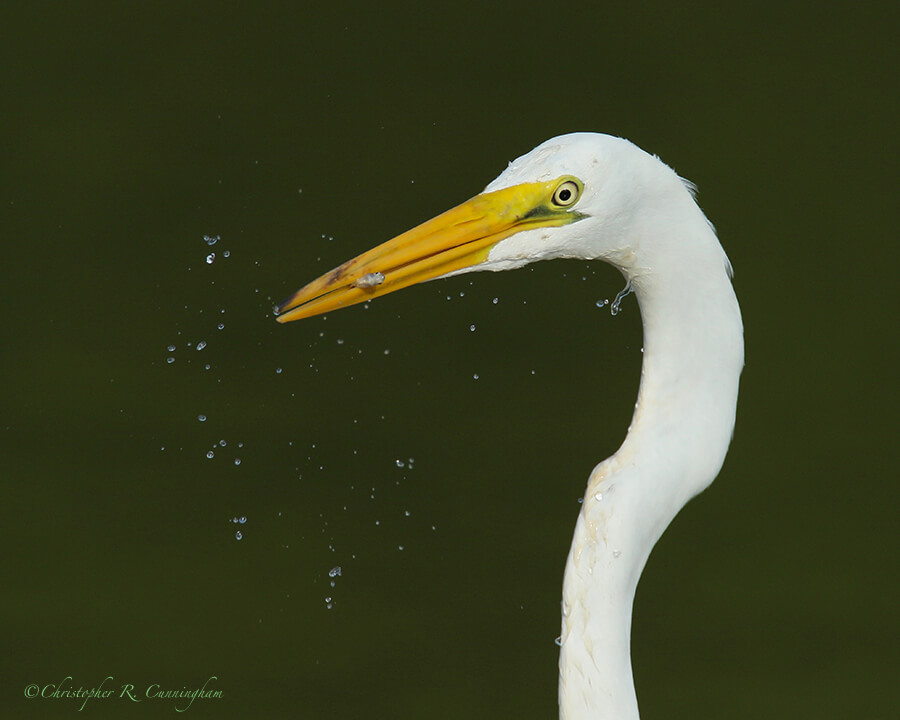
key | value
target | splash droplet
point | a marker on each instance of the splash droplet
(614, 308)
(369, 280)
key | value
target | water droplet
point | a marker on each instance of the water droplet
(558, 641)
(598, 497)
(211, 239)
(335, 571)
(472, 328)
(210, 259)
(614, 308)
(340, 341)
(475, 375)
(237, 461)
(406, 513)
(221, 326)
(400, 547)
(201, 344)
(170, 360)
(399, 463)
(278, 371)
(238, 535)
(222, 443)
(171, 348)
(495, 301)
(616, 553)
(210, 454)
(601, 303)
(227, 253)
(369, 280)
(201, 418)
(242, 519)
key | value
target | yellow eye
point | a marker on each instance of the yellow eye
(566, 194)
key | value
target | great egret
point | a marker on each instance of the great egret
(592, 196)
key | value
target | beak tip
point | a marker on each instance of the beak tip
(280, 311)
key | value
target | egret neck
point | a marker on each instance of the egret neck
(597, 197)
(676, 443)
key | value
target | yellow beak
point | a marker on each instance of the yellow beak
(457, 239)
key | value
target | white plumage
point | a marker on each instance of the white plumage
(597, 197)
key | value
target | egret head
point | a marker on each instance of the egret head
(571, 197)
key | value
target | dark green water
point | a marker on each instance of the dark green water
(301, 135)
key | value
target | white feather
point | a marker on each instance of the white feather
(643, 219)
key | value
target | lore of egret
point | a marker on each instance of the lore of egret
(597, 197)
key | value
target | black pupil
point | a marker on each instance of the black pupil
(565, 194)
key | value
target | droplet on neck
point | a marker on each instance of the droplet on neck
(620, 296)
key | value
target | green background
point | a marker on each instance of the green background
(301, 134)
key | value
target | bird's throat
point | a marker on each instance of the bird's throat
(677, 440)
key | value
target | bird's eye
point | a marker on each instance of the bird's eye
(566, 194)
